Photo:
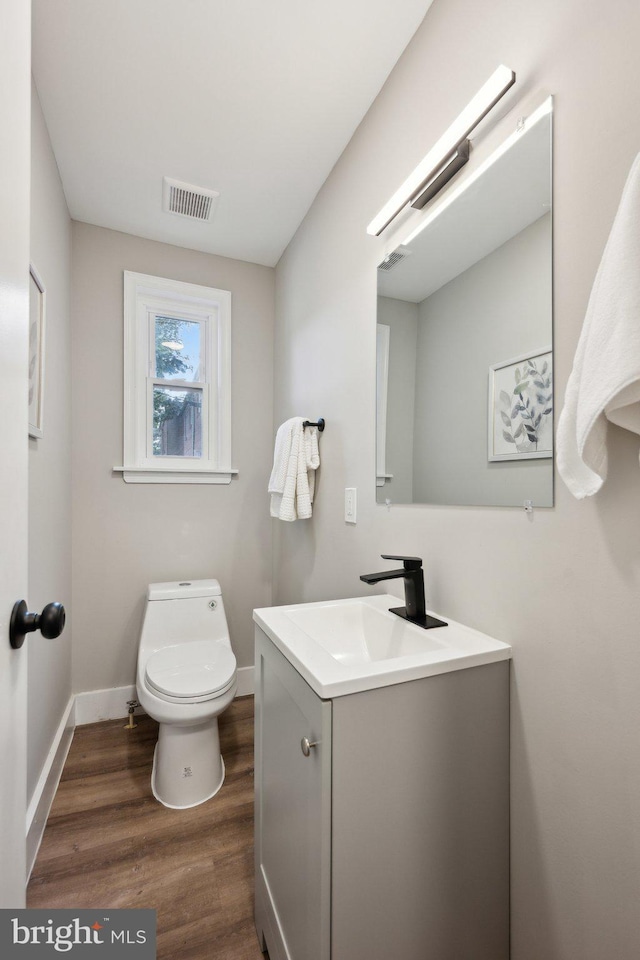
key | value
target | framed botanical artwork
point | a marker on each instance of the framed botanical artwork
(36, 352)
(521, 407)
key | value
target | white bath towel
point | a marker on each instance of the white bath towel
(604, 384)
(295, 460)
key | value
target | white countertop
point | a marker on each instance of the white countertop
(347, 646)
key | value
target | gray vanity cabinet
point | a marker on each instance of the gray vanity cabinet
(390, 839)
(293, 810)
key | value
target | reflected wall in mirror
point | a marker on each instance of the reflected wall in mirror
(464, 373)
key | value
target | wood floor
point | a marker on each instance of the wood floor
(109, 843)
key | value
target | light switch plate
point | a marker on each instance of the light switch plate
(350, 504)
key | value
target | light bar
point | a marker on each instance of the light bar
(457, 162)
(527, 123)
(486, 98)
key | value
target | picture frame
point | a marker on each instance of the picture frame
(36, 352)
(520, 416)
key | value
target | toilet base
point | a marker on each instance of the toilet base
(187, 765)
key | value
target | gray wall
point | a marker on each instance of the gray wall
(562, 587)
(496, 310)
(49, 661)
(402, 319)
(128, 535)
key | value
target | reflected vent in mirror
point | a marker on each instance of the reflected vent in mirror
(185, 200)
(394, 258)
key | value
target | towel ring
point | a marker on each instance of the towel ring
(319, 424)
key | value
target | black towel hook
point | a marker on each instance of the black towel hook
(319, 424)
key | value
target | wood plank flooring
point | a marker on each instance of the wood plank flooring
(108, 843)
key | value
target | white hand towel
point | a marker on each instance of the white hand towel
(281, 453)
(292, 479)
(308, 462)
(285, 462)
(605, 381)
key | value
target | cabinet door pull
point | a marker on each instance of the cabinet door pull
(306, 745)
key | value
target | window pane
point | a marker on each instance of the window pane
(177, 349)
(177, 422)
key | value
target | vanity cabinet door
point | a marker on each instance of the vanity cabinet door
(293, 810)
(420, 819)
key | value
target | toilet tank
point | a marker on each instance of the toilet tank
(183, 589)
(183, 611)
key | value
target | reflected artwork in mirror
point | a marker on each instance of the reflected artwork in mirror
(464, 339)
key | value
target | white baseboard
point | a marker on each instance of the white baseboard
(111, 704)
(246, 682)
(45, 789)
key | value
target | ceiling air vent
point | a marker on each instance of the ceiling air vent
(185, 200)
(394, 258)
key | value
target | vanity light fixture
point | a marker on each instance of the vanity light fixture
(460, 157)
(435, 167)
(524, 123)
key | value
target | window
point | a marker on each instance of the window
(177, 389)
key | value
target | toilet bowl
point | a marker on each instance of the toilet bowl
(186, 677)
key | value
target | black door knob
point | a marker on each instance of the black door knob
(50, 622)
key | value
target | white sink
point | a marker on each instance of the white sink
(358, 632)
(347, 646)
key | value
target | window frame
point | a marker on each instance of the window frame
(145, 298)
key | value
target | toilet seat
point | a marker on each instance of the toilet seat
(193, 671)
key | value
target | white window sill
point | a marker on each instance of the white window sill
(174, 475)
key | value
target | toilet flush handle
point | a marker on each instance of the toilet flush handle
(50, 622)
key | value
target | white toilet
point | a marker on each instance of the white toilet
(186, 678)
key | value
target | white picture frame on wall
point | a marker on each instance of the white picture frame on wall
(36, 352)
(520, 419)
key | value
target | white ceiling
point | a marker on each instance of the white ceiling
(254, 99)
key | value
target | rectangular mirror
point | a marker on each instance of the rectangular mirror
(464, 339)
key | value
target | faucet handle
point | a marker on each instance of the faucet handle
(409, 563)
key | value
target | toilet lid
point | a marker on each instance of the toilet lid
(198, 668)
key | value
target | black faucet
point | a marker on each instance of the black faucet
(413, 576)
